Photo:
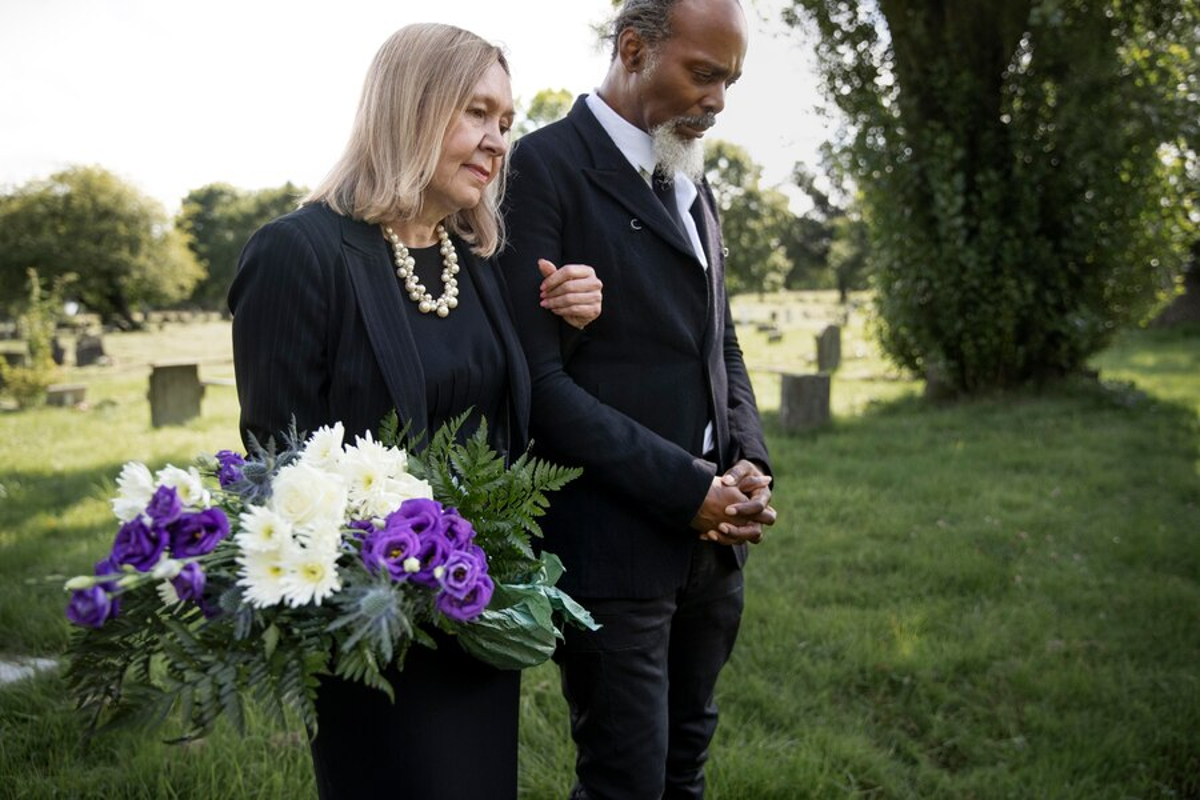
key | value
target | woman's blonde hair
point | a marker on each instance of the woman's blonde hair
(421, 79)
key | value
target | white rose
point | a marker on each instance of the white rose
(409, 487)
(308, 497)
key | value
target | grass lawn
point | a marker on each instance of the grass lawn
(994, 599)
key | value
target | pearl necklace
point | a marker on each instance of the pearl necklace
(406, 271)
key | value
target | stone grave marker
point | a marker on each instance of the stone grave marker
(175, 392)
(89, 349)
(829, 349)
(65, 394)
(804, 402)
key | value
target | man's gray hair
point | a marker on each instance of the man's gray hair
(650, 19)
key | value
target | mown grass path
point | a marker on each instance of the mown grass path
(994, 599)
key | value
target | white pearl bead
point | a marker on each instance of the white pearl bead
(406, 270)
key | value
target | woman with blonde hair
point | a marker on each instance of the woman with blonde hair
(379, 293)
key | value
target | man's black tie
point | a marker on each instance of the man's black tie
(664, 190)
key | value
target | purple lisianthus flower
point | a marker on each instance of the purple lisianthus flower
(90, 608)
(461, 573)
(108, 568)
(435, 549)
(479, 553)
(421, 514)
(138, 545)
(105, 567)
(230, 471)
(197, 534)
(458, 530)
(364, 527)
(189, 583)
(469, 606)
(389, 548)
(165, 506)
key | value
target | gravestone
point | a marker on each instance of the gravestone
(15, 358)
(829, 349)
(56, 351)
(804, 402)
(65, 394)
(175, 393)
(89, 350)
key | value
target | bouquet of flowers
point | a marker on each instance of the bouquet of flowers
(248, 577)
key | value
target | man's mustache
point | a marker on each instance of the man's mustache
(699, 122)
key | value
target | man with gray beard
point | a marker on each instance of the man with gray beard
(652, 399)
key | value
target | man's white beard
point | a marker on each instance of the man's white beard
(674, 153)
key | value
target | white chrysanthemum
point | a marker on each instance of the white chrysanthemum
(310, 576)
(308, 497)
(388, 496)
(324, 448)
(262, 575)
(324, 537)
(262, 530)
(167, 593)
(377, 478)
(187, 485)
(365, 466)
(135, 487)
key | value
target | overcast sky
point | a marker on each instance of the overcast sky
(175, 95)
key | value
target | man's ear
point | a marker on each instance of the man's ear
(632, 50)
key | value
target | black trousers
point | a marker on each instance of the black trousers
(640, 689)
(451, 734)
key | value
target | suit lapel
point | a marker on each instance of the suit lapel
(627, 188)
(614, 175)
(369, 265)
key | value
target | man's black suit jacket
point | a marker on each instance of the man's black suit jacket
(630, 400)
(320, 331)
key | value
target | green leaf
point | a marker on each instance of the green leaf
(270, 640)
(510, 638)
(552, 568)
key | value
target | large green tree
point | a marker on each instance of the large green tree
(218, 219)
(118, 242)
(828, 244)
(755, 219)
(548, 105)
(1021, 164)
